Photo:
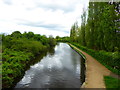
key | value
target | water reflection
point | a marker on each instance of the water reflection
(60, 68)
(82, 75)
(51, 51)
(76, 62)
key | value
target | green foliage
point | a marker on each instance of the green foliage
(82, 30)
(28, 35)
(78, 52)
(63, 39)
(73, 32)
(16, 34)
(19, 50)
(52, 41)
(110, 59)
(13, 65)
(100, 31)
(111, 82)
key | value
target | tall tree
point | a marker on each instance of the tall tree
(73, 32)
(82, 31)
(102, 29)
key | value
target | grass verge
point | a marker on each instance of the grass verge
(78, 52)
(112, 83)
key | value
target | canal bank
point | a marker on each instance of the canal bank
(85, 65)
(95, 72)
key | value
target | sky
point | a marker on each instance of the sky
(45, 17)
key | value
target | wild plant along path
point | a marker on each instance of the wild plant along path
(95, 72)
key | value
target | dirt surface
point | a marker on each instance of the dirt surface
(95, 72)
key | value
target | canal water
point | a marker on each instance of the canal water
(60, 69)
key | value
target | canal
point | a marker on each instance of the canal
(61, 69)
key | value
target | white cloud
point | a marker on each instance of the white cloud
(38, 15)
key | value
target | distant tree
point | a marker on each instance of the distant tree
(30, 35)
(44, 40)
(73, 32)
(52, 41)
(57, 37)
(16, 34)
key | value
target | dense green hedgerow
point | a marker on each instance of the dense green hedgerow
(13, 65)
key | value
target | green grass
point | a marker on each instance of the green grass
(111, 82)
(78, 51)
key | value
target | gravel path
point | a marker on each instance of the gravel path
(95, 72)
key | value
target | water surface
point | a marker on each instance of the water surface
(59, 69)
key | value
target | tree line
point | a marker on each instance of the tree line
(100, 27)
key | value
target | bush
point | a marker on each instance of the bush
(13, 65)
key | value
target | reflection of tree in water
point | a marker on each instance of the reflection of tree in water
(51, 51)
(82, 75)
(58, 44)
(37, 59)
(82, 66)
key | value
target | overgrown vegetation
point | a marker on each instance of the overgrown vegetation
(112, 83)
(62, 39)
(18, 50)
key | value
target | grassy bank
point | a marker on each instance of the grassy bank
(78, 52)
(109, 59)
(112, 83)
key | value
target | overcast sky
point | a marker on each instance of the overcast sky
(48, 17)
